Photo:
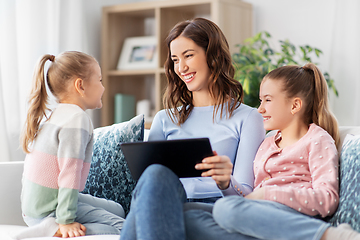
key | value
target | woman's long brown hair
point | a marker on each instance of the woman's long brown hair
(224, 89)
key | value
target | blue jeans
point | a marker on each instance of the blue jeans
(156, 211)
(98, 215)
(159, 211)
(238, 218)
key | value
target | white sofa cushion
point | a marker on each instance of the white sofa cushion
(10, 188)
(6, 231)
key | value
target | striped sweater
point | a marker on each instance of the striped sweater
(57, 167)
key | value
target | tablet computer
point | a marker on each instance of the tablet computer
(179, 155)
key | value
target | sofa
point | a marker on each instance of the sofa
(11, 173)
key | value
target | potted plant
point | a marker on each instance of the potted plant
(256, 58)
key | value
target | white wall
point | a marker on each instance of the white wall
(300, 21)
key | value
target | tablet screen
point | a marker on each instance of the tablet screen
(179, 155)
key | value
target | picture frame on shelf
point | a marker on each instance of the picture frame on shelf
(138, 53)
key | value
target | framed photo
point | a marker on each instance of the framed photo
(138, 53)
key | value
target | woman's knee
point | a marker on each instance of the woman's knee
(155, 173)
(150, 177)
(158, 179)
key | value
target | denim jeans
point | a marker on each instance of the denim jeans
(156, 211)
(238, 218)
(159, 211)
(98, 215)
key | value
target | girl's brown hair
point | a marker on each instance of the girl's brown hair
(64, 68)
(309, 83)
(222, 85)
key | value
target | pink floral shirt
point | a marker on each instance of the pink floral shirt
(303, 176)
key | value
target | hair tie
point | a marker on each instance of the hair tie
(52, 58)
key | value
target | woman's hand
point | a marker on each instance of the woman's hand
(74, 229)
(258, 194)
(220, 169)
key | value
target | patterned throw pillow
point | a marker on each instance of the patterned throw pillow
(109, 175)
(349, 204)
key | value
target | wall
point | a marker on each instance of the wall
(300, 21)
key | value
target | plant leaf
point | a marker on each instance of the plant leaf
(256, 58)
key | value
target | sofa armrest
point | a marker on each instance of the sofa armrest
(344, 130)
(10, 190)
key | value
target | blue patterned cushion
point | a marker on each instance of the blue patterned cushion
(349, 204)
(109, 176)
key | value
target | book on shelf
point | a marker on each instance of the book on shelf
(124, 107)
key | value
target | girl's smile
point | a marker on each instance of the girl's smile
(266, 118)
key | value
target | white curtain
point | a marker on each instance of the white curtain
(345, 61)
(28, 30)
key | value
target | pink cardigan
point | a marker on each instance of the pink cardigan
(303, 176)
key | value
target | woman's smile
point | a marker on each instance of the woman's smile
(188, 77)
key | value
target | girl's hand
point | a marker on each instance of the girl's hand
(74, 229)
(258, 194)
(220, 169)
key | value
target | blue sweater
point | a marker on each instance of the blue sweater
(237, 137)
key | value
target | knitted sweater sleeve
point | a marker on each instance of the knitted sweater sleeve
(321, 198)
(74, 138)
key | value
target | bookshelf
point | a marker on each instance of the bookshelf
(156, 18)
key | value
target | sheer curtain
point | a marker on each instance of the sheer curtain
(29, 29)
(345, 61)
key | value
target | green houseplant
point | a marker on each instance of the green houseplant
(256, 58)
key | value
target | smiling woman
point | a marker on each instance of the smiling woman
(190, 65)
(202, 100)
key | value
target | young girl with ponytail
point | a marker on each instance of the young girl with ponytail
(296, 170)
(59, 148)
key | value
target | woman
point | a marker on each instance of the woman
(202, 99)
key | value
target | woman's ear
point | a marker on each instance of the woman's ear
(296, 106)
(79, 86)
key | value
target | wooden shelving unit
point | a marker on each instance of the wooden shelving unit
(119, 22)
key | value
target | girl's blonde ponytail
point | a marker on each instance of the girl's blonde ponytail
(38, 100)
(321, 114)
